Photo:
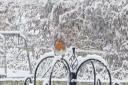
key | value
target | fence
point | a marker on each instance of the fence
(73, 71)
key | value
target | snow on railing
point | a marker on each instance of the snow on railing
(94, 56)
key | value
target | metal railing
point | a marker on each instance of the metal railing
(73, 74)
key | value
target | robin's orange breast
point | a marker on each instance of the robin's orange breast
(59, 45)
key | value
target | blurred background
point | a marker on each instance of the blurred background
(100, 26)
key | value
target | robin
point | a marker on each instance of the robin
(59, 47)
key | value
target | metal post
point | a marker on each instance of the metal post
(73, 74)
(73, 78)
(73, 49)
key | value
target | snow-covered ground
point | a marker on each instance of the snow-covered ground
(11, 73)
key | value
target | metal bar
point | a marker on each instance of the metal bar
(38, 67)
(68, 67)
(94, 72)
(28, 78)
(110, 79)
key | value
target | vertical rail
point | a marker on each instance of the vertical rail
(94, 72)
(73, 77)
